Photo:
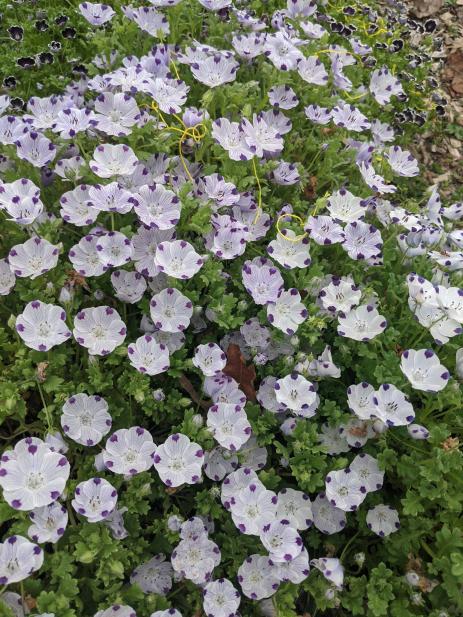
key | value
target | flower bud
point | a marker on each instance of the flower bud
(359, 559)
(379, 427)
(65, 295)
(330, 594)
(174, 523)
(158, 395)
(198, 420)
(412, 578)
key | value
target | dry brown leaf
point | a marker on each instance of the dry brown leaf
(310, 190)
(30, 602)
(236, 368)
(42, 371)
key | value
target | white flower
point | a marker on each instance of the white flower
(114, 249)
(99, 329)
(195, 559)
(178, 259)
(148, 356)
(258, 577)
(297, 394)
(42, 326)
(403, 163)
(340, 296)
(383, 85)
(345, 489)
(360, 400)
(85, 419)
(154, 576)
(260, 136)
(346, 207)
(113, 160)
(215, 70)
(7, 278)
(219, 462)
(19, 558)
(229, 425)
(281, 540)
(220, 598)
(383, 520)
(252, 505)
(327, 518)
(129, 286)
(32, 475)
(33, 258)
(331, 569)
(362, 323)
(392, 406)
(170, 310)
(85, 257)
(416, 431)
(95, 499)
(423, 370)
(157, 206)
(294, 506)
(287, 312)
(312, 70)
(290, 253)
(129, 451)
(210, 359)
(48, 523)
(367, 469)
(179, 461)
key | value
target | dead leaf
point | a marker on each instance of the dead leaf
(30, 602)
(451, 443)
(75, 279)
(42, 371)
(236, 368)
(426, 8)
(310, 190)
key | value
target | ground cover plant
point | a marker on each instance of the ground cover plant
(231, 318)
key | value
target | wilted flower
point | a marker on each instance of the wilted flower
(154, 576)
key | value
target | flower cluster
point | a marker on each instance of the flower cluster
(234, 330)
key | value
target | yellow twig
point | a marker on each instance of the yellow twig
(196, 133)
(291, 216)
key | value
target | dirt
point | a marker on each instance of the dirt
(441, 150)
